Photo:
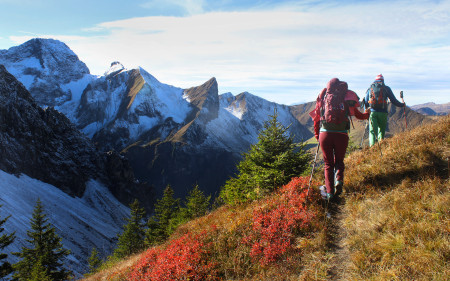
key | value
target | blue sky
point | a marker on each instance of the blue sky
(283, 51)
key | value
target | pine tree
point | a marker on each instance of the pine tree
(196, 203)
(132, 239)
(5, 240)
(39, 273)
(269, 164)
(163, 222)
(94, 261)
(45, 248)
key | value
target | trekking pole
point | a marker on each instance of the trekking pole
(351, 120)
(404, 108)
(312, 171)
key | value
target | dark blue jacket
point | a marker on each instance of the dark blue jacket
(390, 96)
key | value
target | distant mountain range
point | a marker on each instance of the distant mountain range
(432, 109)
(170, 135)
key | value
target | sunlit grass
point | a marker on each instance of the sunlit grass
(397, 215)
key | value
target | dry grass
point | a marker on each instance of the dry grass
(397, 216)
(421, 152)
(114, 270)
(402, 234)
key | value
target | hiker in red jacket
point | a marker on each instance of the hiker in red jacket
(331, 124)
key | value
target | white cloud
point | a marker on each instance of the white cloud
(284, 55)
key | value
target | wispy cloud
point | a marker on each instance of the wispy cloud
(285, 54)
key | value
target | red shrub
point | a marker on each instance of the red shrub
(183, 259)
(279, 221)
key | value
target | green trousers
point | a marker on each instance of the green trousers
(377, 126)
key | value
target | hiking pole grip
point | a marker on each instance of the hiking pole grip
(404, 109)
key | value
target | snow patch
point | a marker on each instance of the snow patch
(83, 223)
(116, 67)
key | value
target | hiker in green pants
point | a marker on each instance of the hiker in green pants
(377, 126)
(376, 99)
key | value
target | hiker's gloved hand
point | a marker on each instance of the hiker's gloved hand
(317, 137)
(404, 104)
(367, 110)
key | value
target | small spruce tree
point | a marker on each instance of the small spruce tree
(162, 223)
(94, 261)
(269, 164)
(196, 203)
(5, 240)
(45, 249)
(132, 238)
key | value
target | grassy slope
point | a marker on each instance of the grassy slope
(397, 216)
(395, 219)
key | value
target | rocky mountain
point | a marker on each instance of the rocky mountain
(169, 135)
(42, 143)
(45, 156)
(45, 145)
(432, 108)
(48, 69)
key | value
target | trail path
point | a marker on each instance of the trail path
(339, 261)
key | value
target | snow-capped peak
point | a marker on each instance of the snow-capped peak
(115, 68)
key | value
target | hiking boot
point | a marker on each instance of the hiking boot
(323, 192)
(338, 186)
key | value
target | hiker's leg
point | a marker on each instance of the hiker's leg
(382, 123)
(341, 143)
(373, 129)
(327, 146)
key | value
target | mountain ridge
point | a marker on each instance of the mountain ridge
(126, 109)
(432, 108)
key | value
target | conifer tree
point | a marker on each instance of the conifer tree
(45, 249)
(39, 273)
(269, 164)
(94, 261)
(161, 224)
(5, 240)
(132, 238)
(196, 203)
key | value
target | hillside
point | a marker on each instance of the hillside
(432, 108)
(393, 224)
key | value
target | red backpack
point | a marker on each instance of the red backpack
(334, 109)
